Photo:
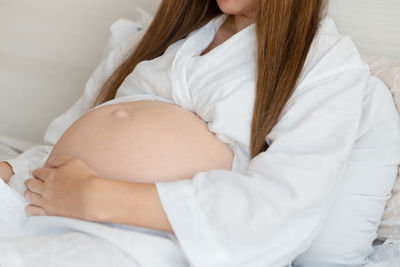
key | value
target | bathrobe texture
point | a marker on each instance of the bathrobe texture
(339, 127)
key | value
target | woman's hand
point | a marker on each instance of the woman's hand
(6, 171)
(71, 189)
(63, 190)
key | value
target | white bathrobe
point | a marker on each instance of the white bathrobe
(339, 134)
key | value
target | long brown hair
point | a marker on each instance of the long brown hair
(285, 31)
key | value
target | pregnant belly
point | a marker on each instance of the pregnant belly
(144, 141)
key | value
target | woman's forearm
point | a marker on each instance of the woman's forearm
(122, 202)
(6, 171)
(70, 188)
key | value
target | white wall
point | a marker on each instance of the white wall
(374, 25)
(48, 49)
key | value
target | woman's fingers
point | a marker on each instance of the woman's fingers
(34, 185)
(32, 210)
(42, 174)
(60, 160)
(33, 198)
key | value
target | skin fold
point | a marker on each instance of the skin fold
(144, 141)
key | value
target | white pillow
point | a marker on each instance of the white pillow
(122, 29)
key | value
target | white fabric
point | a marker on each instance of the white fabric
(339, 129)
(57, 241)
(387, 254)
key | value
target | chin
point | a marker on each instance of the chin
(231, 7)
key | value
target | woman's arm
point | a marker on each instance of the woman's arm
(5, 171)
(71, 189)
(128, 203)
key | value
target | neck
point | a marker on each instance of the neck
(239, 22)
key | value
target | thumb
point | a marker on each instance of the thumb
(59, 160)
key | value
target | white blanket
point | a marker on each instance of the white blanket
(58, 241)
(11, 147)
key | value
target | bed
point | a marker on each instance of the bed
(374, 26)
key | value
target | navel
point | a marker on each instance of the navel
(119, 113)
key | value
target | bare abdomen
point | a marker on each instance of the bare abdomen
(144, 141)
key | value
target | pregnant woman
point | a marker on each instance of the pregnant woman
(234, 125)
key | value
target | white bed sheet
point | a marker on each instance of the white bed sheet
(58, 241)
(386, 254)
(62, 240)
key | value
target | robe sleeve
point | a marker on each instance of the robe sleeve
(270, 213)
(36, 156)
